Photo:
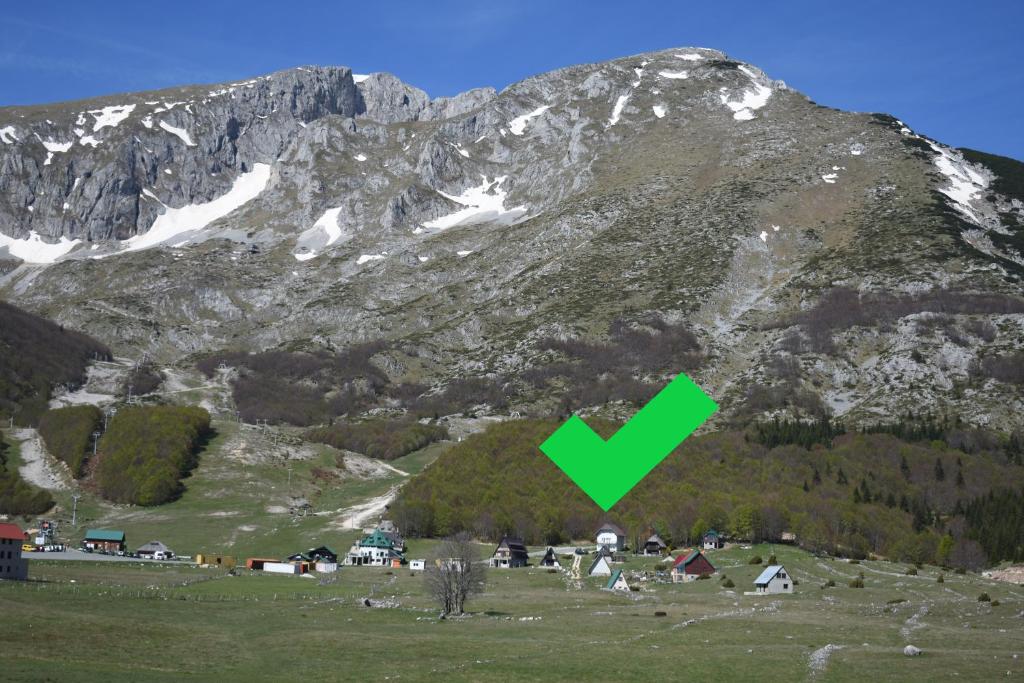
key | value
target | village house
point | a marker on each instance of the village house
(509, 554)
(774, 579)
(602, 564)
(390, 529)
(550, 559)
(13, 566)
(712, 540)
(691, 566)
(376, 549)
(612, 537)
(155, 550)
(617, 582)
(104, 540)
(655, 545)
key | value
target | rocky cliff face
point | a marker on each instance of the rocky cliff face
(312, 207)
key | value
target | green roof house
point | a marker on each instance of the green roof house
(104, 540)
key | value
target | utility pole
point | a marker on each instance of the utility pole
(95, 440)
(130, 387)
(74, 509)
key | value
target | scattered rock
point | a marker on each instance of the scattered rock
(911, 651)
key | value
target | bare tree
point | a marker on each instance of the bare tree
(455, 574)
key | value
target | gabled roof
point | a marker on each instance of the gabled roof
(768, 574)
(655, 538)
(377, 539)
(104, 535)
(608, 526)
(515, 546)
(613, 578)
(684, 560)
(12, 532)
(152, 547)
(712, 532)
(597, 559)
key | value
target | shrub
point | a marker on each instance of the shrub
(552, 570)
(661, 614)
(728, 583)
(857, 583)
(383, 439)
(772, 559)
(941, 579)
(17, 496)
(895, 601)
(912, 571)
(660, 567)
(995, 603)
(756, 559)
(68, 432)
(960, 570)
(147, 450)
(984, 597)
(831, 583)
(854, 561)
(704, 577)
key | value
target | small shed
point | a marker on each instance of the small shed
(617, 582)
(209, 560)
(712, 540)
(107, 540)
(774, 579)
(550, 559)
(417, 565)
(691, 566)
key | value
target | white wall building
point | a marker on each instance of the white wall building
(774, 579)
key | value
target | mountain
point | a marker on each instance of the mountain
(679, 206)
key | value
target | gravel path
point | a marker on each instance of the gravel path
(37, 466)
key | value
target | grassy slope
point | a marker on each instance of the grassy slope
(195, 622)
(224, 507)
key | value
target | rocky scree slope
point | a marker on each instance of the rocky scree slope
(313, 208)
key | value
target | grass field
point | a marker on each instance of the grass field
(84, 620)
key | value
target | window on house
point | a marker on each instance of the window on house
(785, 586)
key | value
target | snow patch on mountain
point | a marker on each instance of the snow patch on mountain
(617, 110)
(677, 75)
(180, 132)
(518, 125)
(366, 258)
(690, 57)
(323, 234)
(359, 78)
(33, 249)
(111, 116)
(659, 110)
(749, 100)
(174, 223)
(965, 183)
(484, 204)
(8, 135)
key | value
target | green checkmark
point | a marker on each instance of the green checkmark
(607, 470)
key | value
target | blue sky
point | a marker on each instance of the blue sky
(950, 70)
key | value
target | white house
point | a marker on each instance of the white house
(612, 537)
(417, 565)
(617, 582)
(774, 579)
(12, 565)
(600, 567)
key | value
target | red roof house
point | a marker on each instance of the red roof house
(12, 532)
(690, 566)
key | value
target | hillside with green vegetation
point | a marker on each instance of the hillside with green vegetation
(382, 439)
(148, 450)
(68, 432)
(17, 496)
(857, 495)
(35, 356)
